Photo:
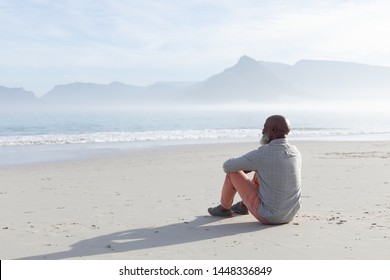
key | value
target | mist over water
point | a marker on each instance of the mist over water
(184, 123)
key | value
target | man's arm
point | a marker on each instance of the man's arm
(244, 163)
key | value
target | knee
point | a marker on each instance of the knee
(238, 176)
(235, 173)
(229, 175)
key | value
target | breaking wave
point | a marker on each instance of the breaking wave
(172, 135)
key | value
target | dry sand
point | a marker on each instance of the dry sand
(152, 204)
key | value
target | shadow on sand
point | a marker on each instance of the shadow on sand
(147, 238)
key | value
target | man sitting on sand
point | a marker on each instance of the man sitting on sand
(273, 195)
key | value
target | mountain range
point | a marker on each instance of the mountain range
(246, 81)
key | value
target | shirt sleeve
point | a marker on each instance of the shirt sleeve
(246, 162)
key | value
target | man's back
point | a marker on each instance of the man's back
(279, 170)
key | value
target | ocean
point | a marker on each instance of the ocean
(48, 136)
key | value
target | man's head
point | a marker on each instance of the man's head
(275, 127)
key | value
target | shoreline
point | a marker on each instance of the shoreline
(152, 204)
(20, 155)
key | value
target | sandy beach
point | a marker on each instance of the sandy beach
(152, 204)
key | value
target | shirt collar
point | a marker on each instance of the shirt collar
(278, 141)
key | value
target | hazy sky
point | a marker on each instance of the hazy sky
(44, 43)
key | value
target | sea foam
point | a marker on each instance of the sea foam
(175, 135)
